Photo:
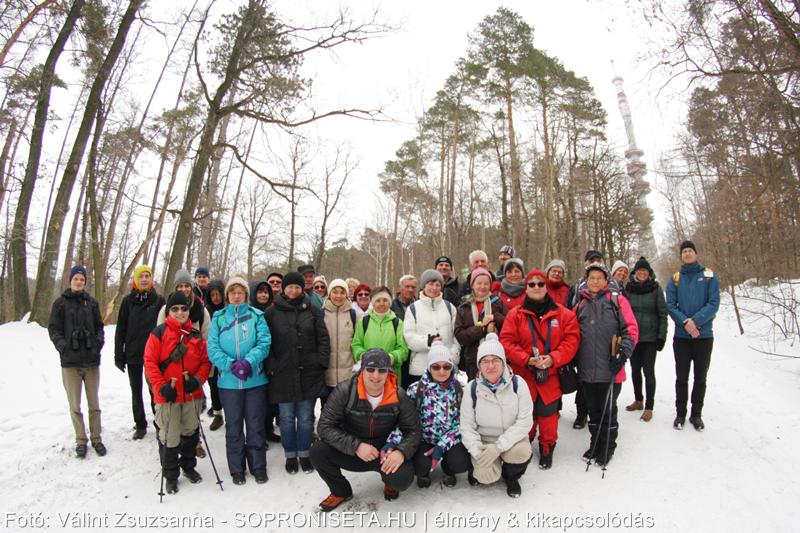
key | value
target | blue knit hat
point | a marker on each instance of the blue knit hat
(78, 269)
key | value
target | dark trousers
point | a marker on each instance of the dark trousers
(136, 380)
(456, 460)
(580, 402)
(272, 411)
(216, 403)
(245, 409)
(603, 429)
(330, 462)
(405, 377)
(644, 360)
(688, 351)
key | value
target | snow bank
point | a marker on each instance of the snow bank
(740, 474)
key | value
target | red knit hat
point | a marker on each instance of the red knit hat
(363, 287)
(535, 272)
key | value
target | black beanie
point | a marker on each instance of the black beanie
(642, 263)
(687, 244)
(177, 298)
(293, 278)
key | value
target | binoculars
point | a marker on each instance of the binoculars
(81, 335)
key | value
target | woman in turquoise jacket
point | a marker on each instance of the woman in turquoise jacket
(238, 343)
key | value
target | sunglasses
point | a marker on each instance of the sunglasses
(436, 368)
(318, 287)
(363, 294)
(539, 284)
(275, 282)
(379, 370)
(179, 309)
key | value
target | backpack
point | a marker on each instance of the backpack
(447, 304)
(707, 273)
(353, 318)
(395, 323)
(220, 318)
(473, 390)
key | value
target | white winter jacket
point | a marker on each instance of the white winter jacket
(433, 317)
(503, 417)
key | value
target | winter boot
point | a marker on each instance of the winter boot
(390, 494)
(100, 448)
(238, 478)
(193, 475)
(80, 450)
(697, 422)
(423, 482)
(546, 456)
(217, 423)
(635, 406)
(471, 479)
(169, 462)
(292, 465)
(647, 415)
(261, 477)
(139, 432)
(449, 480)
(172, 486)
(188, 448)
(679, 422)
(606, 445)
(580, 422)
(306, 466)
(592, 452)
(512, 487)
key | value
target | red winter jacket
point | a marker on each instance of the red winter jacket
(559, 292)
(160, 344)
(510, 301)
(516, 338)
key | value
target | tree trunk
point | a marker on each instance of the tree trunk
(225, 257)
(516, 187)
(19, 236)
(18, 31)
(49, 259)
(94, 217)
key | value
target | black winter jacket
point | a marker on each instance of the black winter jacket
(137, 317)
(348, 418)
(76, 329)
(300, 350)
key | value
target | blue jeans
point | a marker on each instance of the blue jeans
(297, 424)
(245, 408)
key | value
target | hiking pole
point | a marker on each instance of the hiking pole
(610, 413)
(208, 449)
(162, 451)
(594, 446)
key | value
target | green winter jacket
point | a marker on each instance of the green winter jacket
(381, 334)
(650, 310)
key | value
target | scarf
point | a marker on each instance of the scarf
(511, 288)
(494, 386)
(477, 317)
(541, 307)
(635, 287)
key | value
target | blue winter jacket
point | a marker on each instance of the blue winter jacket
(239, 332)
(697, 297)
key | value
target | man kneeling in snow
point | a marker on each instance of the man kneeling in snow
(357, 419)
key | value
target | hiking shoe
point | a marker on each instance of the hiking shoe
(580, 422)
(513, 489)
(261, 477)
(292, 465)
(390, 494)
(471, 479)
(238, 478)
(200, 451)
(272, 437)
(647, 415)
(193, 475)
(306, 466)
(449, 480)
(635, 406)
(423, 482)
(679, 422)
(80, 450)
(172, 486)
(217, 423)
(332, 502)
(139, 433)
(100, 448)
(697, 422)
(546, 457)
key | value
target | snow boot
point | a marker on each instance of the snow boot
(238, 478)
(261, 477)
(390, 494)
(139, 432)
(580, 422)
(187, 449)
(292, 465)
(635, 406)
(193, 475)
(172, 486)
(546, 456)
(423, 482)
(679, 422)
(100, 448)
(512, 488)
(697, 422)
(449, 480)
(217, 423)
(647, 415)
(306, 466)
(80, 450)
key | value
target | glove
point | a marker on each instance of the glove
(191, 384)
(660, 344)
(430, 339)
(616, 365)
(242, 369)
(120, 363)
(168, 392)
(488, 456)
(435, 454)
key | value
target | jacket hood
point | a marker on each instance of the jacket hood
(285, 304)
(254, 286)
(389, 389)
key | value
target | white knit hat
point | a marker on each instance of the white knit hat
(619, 264)
(338, 282)
(438, 353)
(490, 346)
(240, 281)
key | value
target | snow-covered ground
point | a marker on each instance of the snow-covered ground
(739, 475)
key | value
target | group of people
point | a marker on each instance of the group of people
(385, 365)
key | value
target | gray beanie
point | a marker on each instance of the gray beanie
(555, 263)
(431, 275)
(182, 276)
(514, 261)
(491, 346)
(438, 353)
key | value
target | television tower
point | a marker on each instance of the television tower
(637, 169)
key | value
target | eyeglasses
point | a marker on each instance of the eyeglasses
(487, 361)
(179, 309)
(436, 368)
(360, 294)
(276, 282)
(539, 284)
(379, 370)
